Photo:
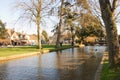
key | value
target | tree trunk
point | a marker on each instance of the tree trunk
(39, 38)
(38, 24)
(72, 36)
(60, 25)
(111, 31)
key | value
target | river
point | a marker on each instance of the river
(69, 64)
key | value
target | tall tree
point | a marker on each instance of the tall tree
(108, 8)
(85, 18)
(59, 28)
(34, 11)
(70, 19)
(2, 30)
(31, 11)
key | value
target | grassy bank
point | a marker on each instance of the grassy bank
(108, 74)
(27, 49)
(52, 47)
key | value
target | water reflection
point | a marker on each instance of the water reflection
(69, 64)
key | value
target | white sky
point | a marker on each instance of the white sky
(7, 15)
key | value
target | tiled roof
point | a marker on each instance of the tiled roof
(5, 40)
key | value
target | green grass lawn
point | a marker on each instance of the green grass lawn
(108, 74)
(52, 47)
(16, 50)
(26, 49)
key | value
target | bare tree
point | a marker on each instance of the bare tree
(60, 24)
(95, 9)
(33, 11)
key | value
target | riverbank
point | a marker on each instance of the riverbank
(20, 52)
(99, 70)
(68, 64)
(104, 72)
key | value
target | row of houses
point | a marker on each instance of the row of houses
(17, 38)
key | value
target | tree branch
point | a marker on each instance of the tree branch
(114, 5)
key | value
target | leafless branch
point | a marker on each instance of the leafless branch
(114, 5)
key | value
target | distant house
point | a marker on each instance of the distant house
(52, 39)
(24, 39)
(65, 38)
(16, 38)
(10, 33)
(4, 42)
(31, 39)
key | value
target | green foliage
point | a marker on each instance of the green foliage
(90, 26)
(45, 34)
(90, 31)
(2, 30)
(108, 74)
